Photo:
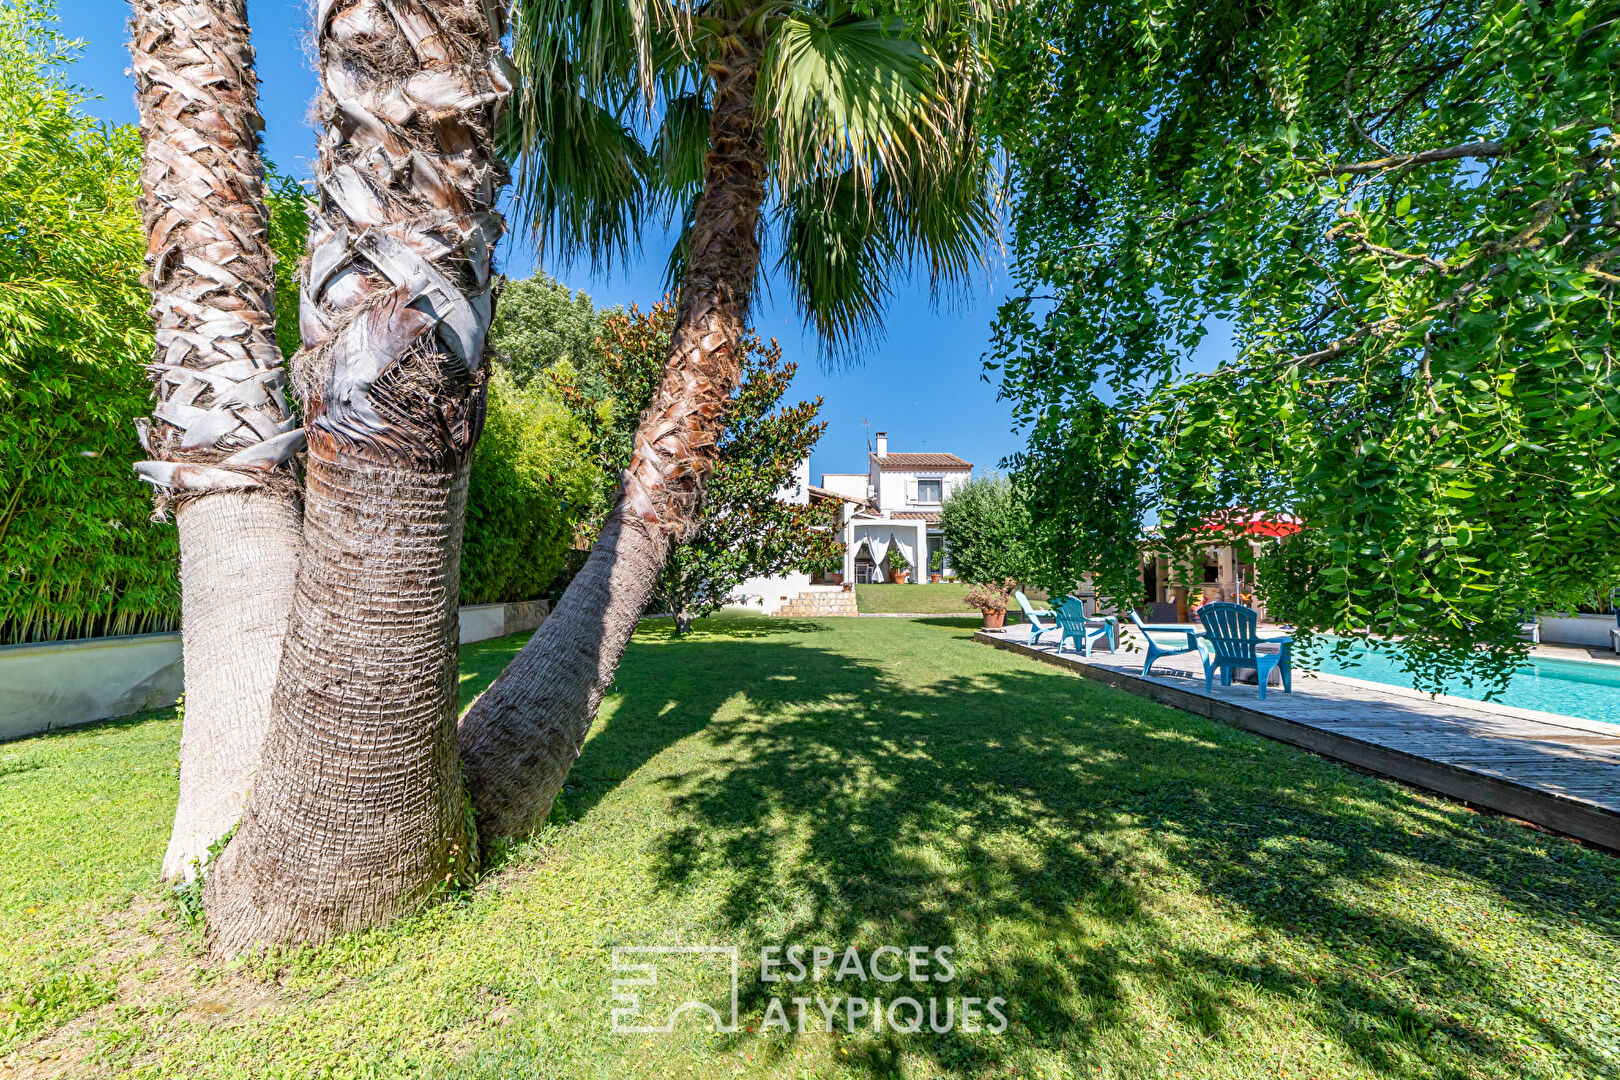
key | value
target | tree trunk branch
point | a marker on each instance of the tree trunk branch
(221, 435)
(519, 740)
(357, 812)
(1395, 161)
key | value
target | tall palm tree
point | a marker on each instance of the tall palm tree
(848, 137)
(221, 435)
(357, 812)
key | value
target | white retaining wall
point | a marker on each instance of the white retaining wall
(1577, 629)
(57, 684)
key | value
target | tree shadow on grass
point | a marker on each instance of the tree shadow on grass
(1048, 828)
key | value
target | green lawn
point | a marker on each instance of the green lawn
(1154, 894)
(945, 597)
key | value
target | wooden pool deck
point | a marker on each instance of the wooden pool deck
(1559, 772)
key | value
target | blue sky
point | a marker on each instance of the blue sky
(921, 383)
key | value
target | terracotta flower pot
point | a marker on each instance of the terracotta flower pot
(838, 579)
(994, 620)
(902, 577)
(933, 578)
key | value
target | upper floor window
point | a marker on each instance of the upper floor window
(929, 491)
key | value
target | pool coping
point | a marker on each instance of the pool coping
(1571, 815)
(1579, 723)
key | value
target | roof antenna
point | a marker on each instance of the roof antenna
(866, 429)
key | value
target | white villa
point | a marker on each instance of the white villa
(890, 523)
(891, 517)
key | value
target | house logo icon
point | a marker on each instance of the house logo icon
(639, 1005)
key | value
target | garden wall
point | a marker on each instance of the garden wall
(57, 684)
(1577, 629)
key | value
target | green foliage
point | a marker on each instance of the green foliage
(1406, 217)
(611, 388)
(78, 554)
(986, 527)
(287, 220)
(869, 131)
(745, 530)
(600, 366)
(532, 480)
(540, 324)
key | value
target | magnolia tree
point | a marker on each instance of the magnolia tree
(746, 530)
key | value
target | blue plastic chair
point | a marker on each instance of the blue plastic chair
(1230, 639)
(1083, 629)
(1163, 641)
(1035, 617)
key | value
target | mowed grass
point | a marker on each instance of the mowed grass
(1154, 894)
(939, 598)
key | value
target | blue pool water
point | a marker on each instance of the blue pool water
(1590, 690)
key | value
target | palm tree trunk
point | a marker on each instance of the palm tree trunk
(221, 436)
(238, 562)
(357, 812)
(521, 737)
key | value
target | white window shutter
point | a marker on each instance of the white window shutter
(911, 490)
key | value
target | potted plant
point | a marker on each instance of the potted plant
(901, 574)
(991, 598)
(936, 565)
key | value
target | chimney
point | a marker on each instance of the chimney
(883, 444)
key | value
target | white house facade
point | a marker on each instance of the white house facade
(892, 532)
(888, 521)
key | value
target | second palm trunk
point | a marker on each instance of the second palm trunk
(357, 812)
(520, 739)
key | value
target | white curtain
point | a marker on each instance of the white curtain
(877, 546)
(905, 542)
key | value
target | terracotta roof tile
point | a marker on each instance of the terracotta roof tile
(914, 515)
(829, 493)
(921, 461)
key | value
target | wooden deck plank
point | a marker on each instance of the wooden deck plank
(1565, 778)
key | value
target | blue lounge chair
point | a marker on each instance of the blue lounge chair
(1163, 640)
(1230, 641)
(1083, 629)
(1035, 617)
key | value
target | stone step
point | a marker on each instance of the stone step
(820, 603)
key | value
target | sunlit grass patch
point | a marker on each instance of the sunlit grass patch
(1151, 892)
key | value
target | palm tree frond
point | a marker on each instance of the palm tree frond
(837, 253)
(679, 148)
(581, 180)
(845, 95)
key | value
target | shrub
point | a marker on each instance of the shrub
(77, 552)
(532, 482)
(985, 524)
(991, 595)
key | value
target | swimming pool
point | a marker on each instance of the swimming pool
(1586, 689)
